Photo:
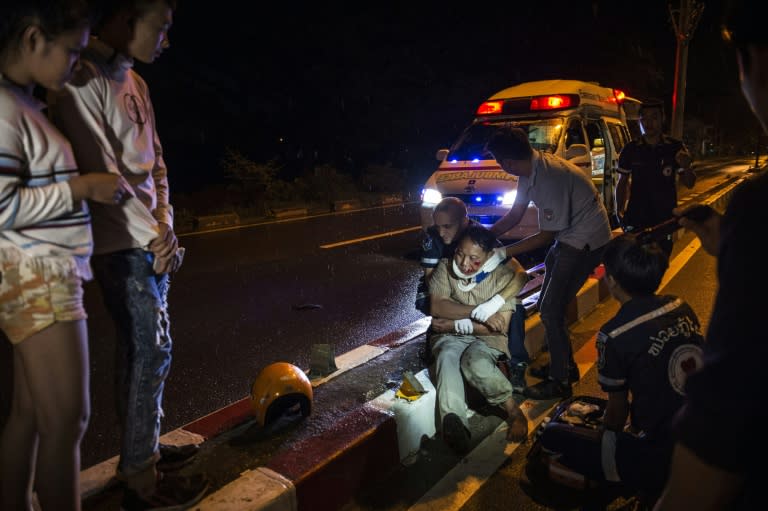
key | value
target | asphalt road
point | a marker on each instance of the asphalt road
(253, 295)
(248, 297)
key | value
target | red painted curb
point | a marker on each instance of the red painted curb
(327, 470)
(222, 419)
(234, 414)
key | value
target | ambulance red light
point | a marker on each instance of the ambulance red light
(490, 108)
(619, 95)
(554, 102)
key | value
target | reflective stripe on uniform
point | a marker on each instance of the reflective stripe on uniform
(608, 456)
(646, 317)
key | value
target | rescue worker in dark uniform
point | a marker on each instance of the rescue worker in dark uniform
(646, 350)
(439, 242)
(646, 192)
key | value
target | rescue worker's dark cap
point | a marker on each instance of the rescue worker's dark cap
(744, 22)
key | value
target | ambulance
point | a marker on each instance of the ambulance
(583, 122)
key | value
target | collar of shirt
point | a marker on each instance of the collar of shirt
(25, 96)
(117, 63)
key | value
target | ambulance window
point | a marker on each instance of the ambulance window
(574, 134)
(618, 136)
(595, 135)
(597, 147)
(471, 143)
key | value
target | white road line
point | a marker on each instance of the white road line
(287, 220)
(372, 237)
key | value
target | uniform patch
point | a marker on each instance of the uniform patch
(601, 340)
(684, 360)
(426, 243)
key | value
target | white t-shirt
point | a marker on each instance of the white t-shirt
(107, 114)
(567, 201)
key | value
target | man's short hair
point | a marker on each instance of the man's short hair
(454, 206)
(652, 104)
(509, 143)
(481, 237)
(637, 267)
(105, 10)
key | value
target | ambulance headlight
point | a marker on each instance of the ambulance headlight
(430, 196)
(509, 198)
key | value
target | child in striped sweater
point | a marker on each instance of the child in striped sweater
(45, 247)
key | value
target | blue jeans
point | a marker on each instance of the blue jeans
(566, 270)
(136, 298)
(516, 341)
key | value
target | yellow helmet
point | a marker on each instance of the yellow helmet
(278, 387)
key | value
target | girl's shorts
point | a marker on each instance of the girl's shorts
(36, 292)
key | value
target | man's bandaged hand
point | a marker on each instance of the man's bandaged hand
(485, 310)
(463, 326)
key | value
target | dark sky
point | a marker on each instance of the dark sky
(392, 82)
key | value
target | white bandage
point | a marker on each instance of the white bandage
(485, 310)
(463, 326)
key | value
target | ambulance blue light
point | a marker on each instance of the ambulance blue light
(475, 160)
(454, 161)
(478, 198)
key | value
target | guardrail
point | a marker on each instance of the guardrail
(222, 220)
(289, 212)
(345, 205)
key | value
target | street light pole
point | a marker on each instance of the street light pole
(684, 21)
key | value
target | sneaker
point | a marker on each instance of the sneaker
(517, 377)
(455, 434)
(173, 493)
(548, 389)
(173, 457)
(542, 372)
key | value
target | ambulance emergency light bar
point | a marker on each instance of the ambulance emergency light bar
(547, 102)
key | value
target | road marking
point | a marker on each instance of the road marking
(287, 220)
(372, 237)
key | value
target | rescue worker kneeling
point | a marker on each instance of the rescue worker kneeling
(463, 346)
(647, 350)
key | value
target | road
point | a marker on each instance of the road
(252, 295)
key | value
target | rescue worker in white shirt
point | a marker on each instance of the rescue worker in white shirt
(572, 215)
(467, 348)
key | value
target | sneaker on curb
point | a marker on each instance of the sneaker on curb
(173, 457)
(548, 389)
(542, 372)
(455, 434)
(517, 377)
(173, 493)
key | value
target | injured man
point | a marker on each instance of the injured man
(466, 349)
